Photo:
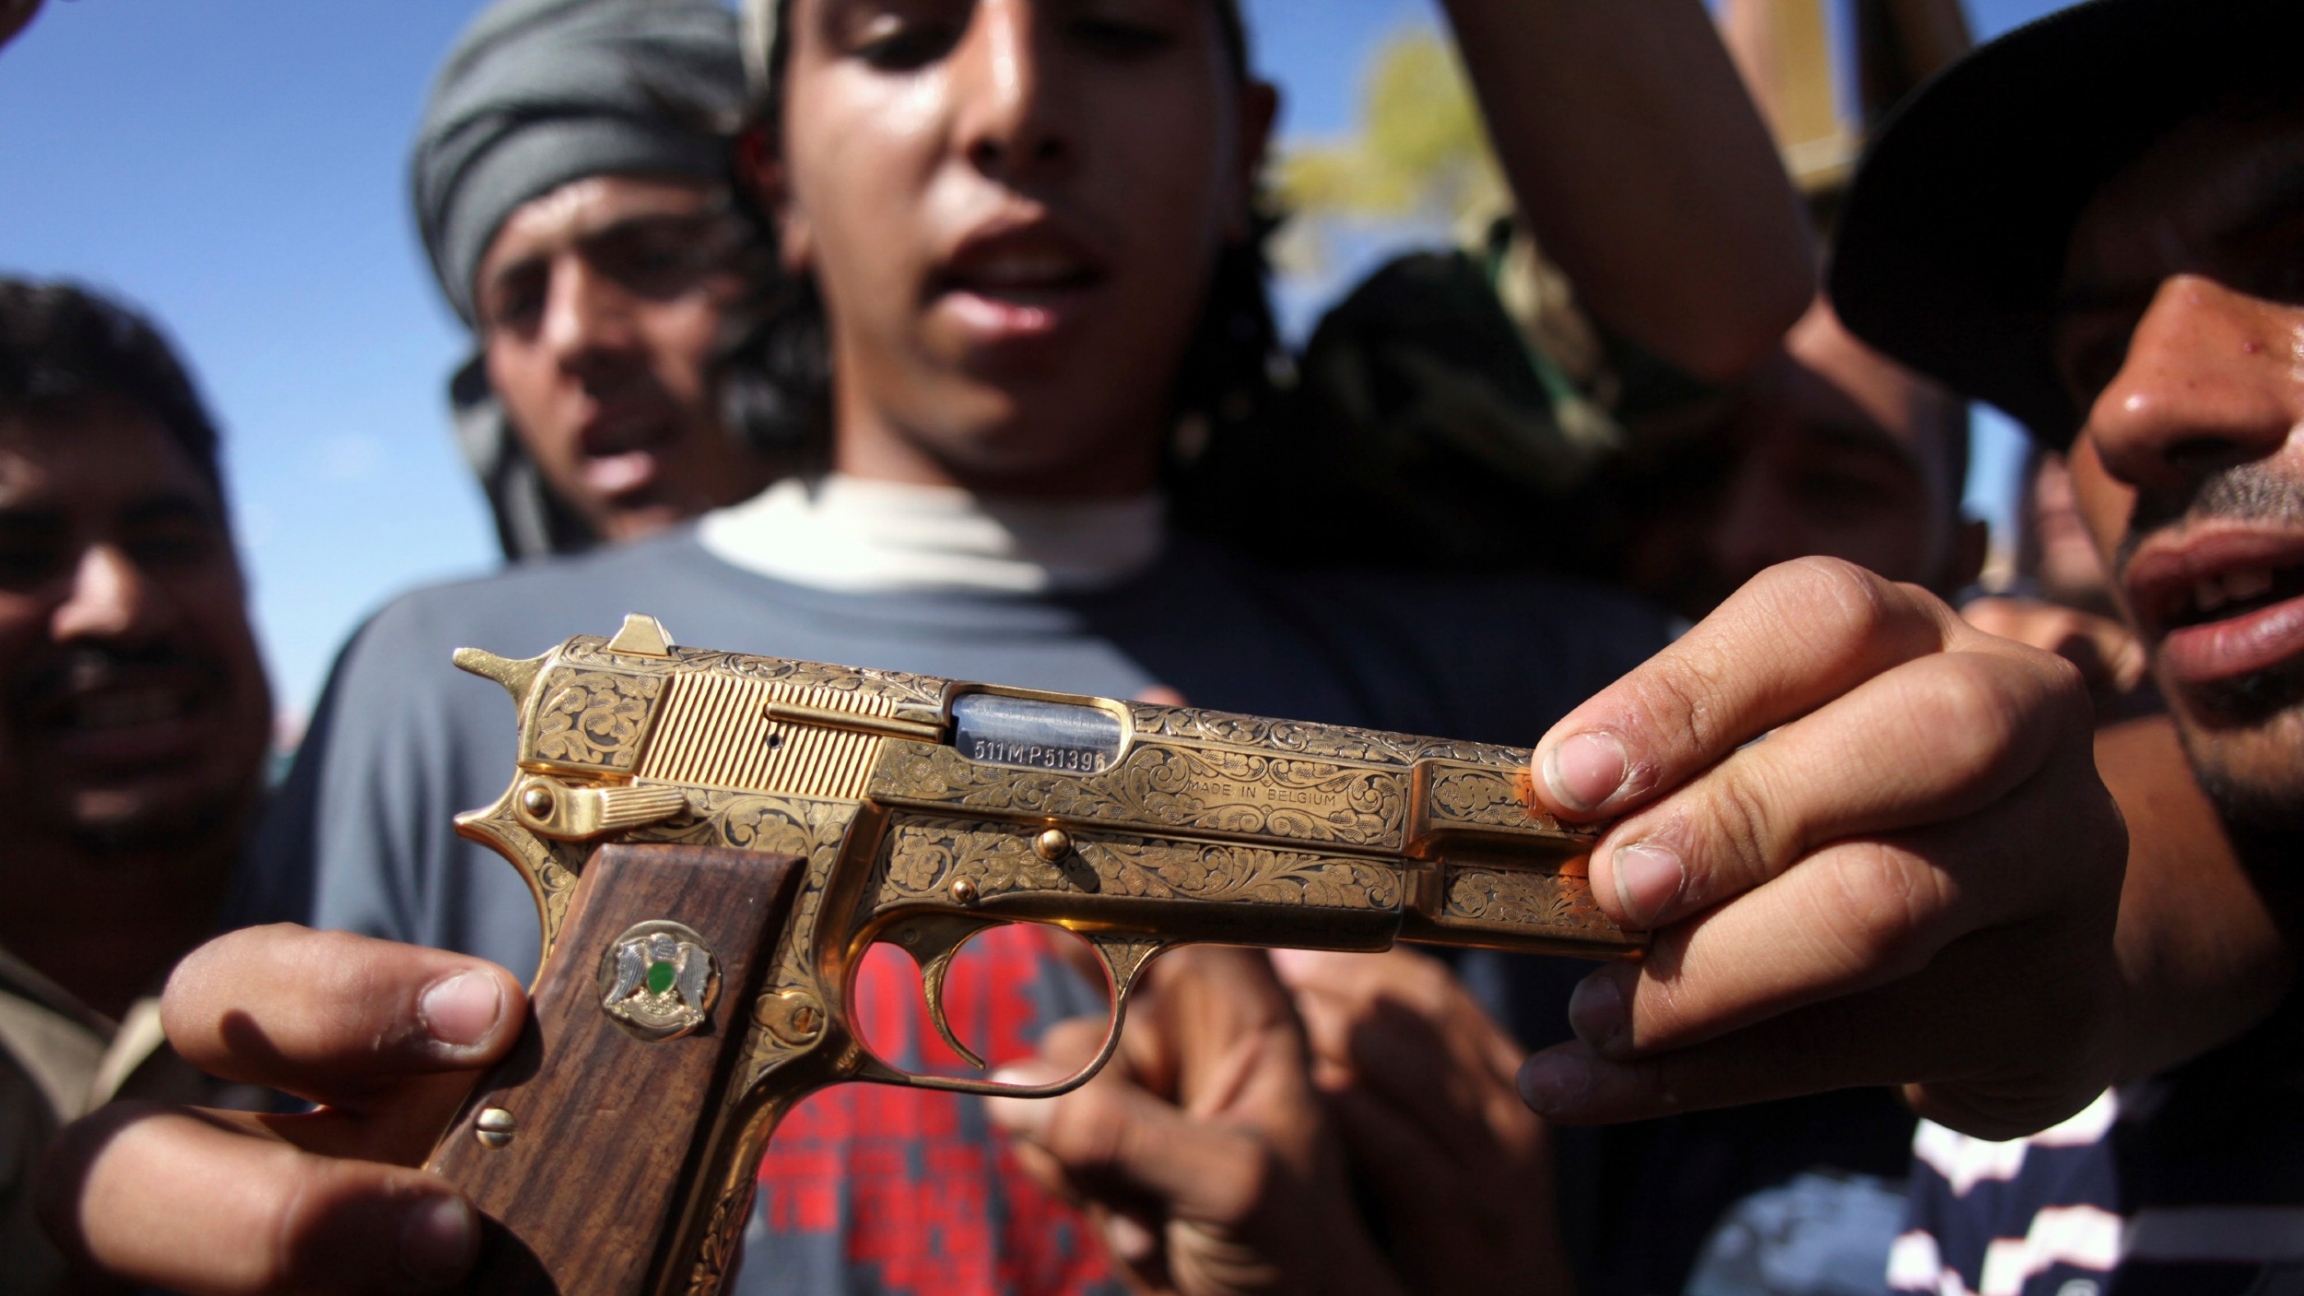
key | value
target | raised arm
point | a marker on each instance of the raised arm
(1644, 171)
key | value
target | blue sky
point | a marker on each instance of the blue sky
(237, 169)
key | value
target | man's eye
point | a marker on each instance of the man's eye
(2280, 281)
(1121, 37)
(1844, 492)
(2090, 368)
(663, 259)
(2089, 347)
(2269, 262)
(648, 261)
(515, 303)
(899, 43)
(24, 566)
(173, 548)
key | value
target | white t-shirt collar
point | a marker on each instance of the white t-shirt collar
(863, 536)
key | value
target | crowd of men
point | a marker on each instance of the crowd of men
(934, 337)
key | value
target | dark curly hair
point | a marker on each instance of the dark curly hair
(775, 364)
(62, 345)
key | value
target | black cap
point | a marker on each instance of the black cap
(1953, 241)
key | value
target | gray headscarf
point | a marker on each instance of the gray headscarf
(537, 94)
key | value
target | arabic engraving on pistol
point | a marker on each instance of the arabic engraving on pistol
(918, 812)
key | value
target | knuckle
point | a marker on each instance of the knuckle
(1683, 701)
(1965, 711)
(1729, 844)
(1886, 910)
(336, 1219)
(2065, 686)
(1660, 1011)
(1670, 713)
(1854, 604)
(1746, 822)
(1971, 727)
(294, 1229)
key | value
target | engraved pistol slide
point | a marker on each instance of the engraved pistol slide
(715, 840)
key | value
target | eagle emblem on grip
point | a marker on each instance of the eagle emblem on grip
(659, 980)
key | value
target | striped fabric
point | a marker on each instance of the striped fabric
(2189, 1183)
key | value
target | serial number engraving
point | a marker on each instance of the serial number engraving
(1030, 734)
(990, 751)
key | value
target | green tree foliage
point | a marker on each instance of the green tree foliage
(1418, 153)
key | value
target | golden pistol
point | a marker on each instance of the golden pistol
(715, 840)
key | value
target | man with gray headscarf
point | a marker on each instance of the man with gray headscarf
(568, 182)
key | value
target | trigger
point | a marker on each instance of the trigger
(933, 940)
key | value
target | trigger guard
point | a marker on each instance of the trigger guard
(1124, 962)
(933, 941)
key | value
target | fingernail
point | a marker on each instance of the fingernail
(1648, 879)
(1554, 1084)
(1586, 769)
(439, 1240)
(462, 1010)
(1596, 1010)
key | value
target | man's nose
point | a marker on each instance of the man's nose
(587, 314)
(2211, 380)
(1006, 120)
(110, 598)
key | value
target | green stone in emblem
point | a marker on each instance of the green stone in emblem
(658, 980)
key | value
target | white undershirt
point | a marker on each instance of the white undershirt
(862, 536)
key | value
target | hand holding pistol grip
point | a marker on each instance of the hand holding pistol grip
(684, 1002)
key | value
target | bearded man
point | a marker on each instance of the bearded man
(2095, 224)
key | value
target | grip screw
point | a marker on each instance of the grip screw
(537, 801)
(1052, 845)
(964, 891)
(495, 1128)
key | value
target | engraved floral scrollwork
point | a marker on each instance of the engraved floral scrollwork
(722, 1232)
(1168, 788)
(1533, 901)
(1225, 873)
(1488, 798)
(1334, 742)
(923, 857)
(594, 718)
(1479, 797)
(550, 867)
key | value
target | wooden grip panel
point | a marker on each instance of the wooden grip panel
(582, 1145)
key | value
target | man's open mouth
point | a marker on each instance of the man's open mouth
(2231, 594)
(96, 705)
(123, 709)
(1010, 282)
(2221, 605)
